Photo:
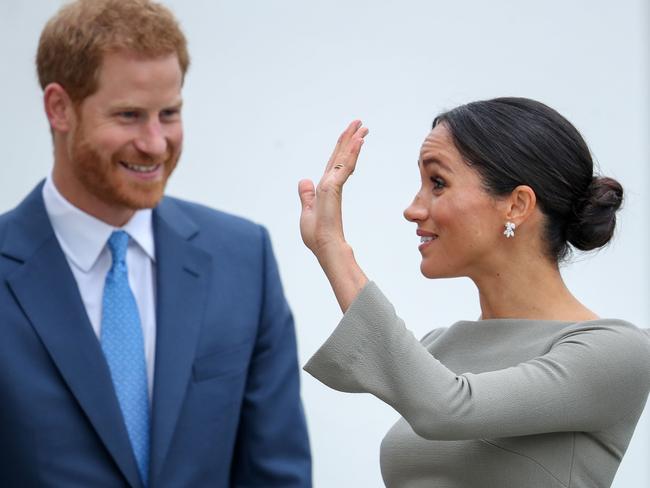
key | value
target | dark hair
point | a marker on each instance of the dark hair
(518, 141)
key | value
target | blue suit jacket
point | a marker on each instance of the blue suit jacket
(226, 409)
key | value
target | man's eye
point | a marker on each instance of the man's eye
(438, 183)
(170, 113)
(129, 114)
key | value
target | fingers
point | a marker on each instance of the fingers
(343, 138)
(345, 161)
(340, 166)
(307, 193)
(350, 155)
(342, 143)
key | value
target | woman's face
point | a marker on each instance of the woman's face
(459, 224)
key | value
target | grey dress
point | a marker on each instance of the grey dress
(500, 403)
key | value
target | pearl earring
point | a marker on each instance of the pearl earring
(510, 230)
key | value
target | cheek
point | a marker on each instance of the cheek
(175, 136)
(483, 230)
(467, 223)
(109, 143)
(446, 214)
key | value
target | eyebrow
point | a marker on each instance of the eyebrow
(430, 160)
(127, 105)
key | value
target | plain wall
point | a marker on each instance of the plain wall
(272, 83)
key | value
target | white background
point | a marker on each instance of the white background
(272, 83)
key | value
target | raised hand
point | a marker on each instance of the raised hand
(321, 223)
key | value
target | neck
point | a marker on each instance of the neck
(73, 192)
(528, 288)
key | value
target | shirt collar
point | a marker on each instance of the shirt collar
(82, 236)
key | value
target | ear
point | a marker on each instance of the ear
(58, 107)
(520, 204)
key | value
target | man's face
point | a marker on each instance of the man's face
(126, 137)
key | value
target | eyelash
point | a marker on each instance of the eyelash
(438, 183)
(170, 113)
(133, 114)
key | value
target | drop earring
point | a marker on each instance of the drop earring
(510, 230)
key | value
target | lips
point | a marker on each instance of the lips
(141, 168)
(143, 173)
(426, 238)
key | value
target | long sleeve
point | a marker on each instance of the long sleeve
(593, 375)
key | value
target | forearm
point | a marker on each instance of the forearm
(344, 274)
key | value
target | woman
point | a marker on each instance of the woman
(540, 391)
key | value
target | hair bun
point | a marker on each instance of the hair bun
(594, 216)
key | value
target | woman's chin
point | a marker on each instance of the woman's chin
(434, 273)
(429, 273)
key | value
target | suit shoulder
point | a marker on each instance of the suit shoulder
(5, 219)
(213, 221)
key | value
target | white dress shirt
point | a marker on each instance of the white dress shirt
(83, 239)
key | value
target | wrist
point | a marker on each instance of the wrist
(342, 271)
(334, 253)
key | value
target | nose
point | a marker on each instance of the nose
(152, 140)
(416, 211)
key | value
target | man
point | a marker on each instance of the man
(146, 340)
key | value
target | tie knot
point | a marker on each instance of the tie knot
(117, 243)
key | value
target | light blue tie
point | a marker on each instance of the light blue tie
(123, 346)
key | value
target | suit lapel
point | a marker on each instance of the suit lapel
(182, 275)
(46, 290)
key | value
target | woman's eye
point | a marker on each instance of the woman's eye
(438, 183)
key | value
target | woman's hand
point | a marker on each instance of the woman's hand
(321, 224)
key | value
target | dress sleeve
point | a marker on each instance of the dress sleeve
(592, 377)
